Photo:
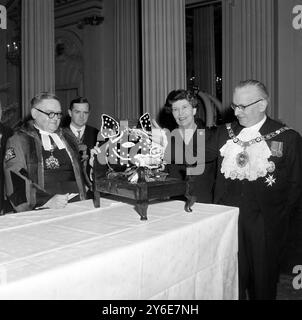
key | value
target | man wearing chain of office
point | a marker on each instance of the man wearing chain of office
(42, 166)
(259, 171)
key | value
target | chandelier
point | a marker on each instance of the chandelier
(13, 52)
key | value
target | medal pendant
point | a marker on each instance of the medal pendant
(277, 149)
(52, 163)
(242, 159)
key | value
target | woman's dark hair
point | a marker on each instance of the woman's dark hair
(180, 94)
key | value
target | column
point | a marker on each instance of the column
(163, 51)
(38, 68)
(249, 45)
(127, 60)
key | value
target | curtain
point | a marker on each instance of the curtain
(38, 65)
(204, 49)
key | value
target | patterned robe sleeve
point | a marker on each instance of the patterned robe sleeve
(22, 192)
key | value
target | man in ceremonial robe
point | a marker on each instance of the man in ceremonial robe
(42, 166)
(259, 171)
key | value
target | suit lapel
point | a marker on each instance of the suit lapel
(84, 137)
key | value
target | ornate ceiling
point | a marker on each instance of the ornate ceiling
(79, 12)
(67, 12)
(61, 2)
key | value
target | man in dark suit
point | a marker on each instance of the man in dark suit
(85, 135)
(5, 133)
(259, 171)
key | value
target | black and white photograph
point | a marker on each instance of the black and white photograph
(150, 153)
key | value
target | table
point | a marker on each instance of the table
(83, 252)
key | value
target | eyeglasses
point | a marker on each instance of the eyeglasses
(51, 115)
(242, 107)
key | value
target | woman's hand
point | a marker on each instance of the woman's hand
(95, 151)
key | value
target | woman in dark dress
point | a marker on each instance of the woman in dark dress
(186, 137)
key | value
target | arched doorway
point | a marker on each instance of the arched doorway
(69, 67)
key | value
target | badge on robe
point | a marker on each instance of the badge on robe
(277, 149)
(9, 154)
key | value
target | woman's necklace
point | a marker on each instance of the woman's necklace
(242, 157)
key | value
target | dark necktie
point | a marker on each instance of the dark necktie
(79, 135)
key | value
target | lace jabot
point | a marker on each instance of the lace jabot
(246, 160)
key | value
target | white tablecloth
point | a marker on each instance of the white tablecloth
(109, 253)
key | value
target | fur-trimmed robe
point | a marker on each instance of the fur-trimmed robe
(24, 172)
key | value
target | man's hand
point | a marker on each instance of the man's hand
(59, 201)
(159, 136)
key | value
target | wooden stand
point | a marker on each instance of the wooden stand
(142, 192)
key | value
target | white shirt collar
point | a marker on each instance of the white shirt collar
(75, 130)
(46, 140)
(256, 127)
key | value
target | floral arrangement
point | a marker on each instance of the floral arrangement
(130, 153)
